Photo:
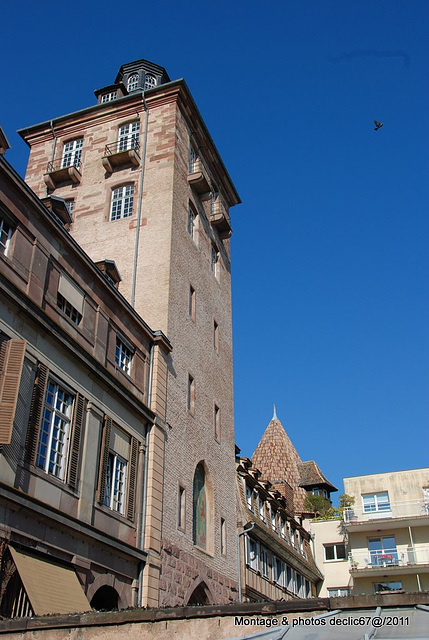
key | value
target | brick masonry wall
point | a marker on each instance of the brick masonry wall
(183, 571)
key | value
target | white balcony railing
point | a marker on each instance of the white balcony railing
(410, 508)
(401, 556)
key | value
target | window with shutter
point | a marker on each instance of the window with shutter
(54, 432)
(118, 470)
(11, 360)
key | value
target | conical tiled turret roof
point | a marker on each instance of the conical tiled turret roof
(279, 462)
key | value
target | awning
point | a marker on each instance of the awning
(49, 587)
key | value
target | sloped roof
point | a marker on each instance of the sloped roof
(279, 462)
(311, 476)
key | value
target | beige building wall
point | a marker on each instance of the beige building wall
(168, 262)
(389, 532)
(335, 572)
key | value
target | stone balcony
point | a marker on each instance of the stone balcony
(219, 217)
(58, 173)
(121, 154)
(198, 176)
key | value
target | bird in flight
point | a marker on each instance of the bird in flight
(378, 125)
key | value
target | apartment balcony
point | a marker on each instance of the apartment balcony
(57, 173)
(121, 154)
(219, 217)
(399, 560)
(395, 515)
(198, 177)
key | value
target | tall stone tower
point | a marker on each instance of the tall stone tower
(150, 199)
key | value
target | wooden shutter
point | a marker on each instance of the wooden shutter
(12, 359)
(132, 478)
(104, 458)
(78, 416)
(36, 408)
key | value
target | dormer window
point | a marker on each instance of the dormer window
(108, 97)
(150, 81)
(133, 82)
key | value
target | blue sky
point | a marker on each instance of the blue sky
(330, 245)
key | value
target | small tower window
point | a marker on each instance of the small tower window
(133, 82)
(150, 81)
(122, 202)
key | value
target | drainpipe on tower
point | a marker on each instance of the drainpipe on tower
(139, 206)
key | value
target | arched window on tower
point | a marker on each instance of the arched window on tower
(133, 82)
(200, 508)
(150, 81)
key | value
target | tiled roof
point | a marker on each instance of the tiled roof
(279, 462)
(311, 476)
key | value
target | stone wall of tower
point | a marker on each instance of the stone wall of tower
(192, 438)
(168, 263)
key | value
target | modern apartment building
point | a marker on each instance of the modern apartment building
(382, 545)
(388, 531)
(146, 188)
(82, 421)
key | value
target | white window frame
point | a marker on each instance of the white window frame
(54, 434)
(192, 224)
(108, 97)
(249, 493)
(261, 505)
(334, 545)
(193, 157)
(338, 592)
(122, 201)
(252, 553)
(214, 261)
(375, 502)
(115, 493)
(290, 579)
(128, 135)
(149, 81)
(6, 231)
(123, 355)
(133, 82)
(264, 562)
(278, 571)
(72, 153)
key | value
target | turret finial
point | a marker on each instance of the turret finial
(274, 413)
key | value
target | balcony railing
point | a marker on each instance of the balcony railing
(63, 171)
(197, 176)
(410, 508)
(121, 153)
(401, 556)
(219, 217)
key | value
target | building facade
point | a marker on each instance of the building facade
(382, 544)
(388, 531)
(147, 189)
(276, 561)
(82, 421)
